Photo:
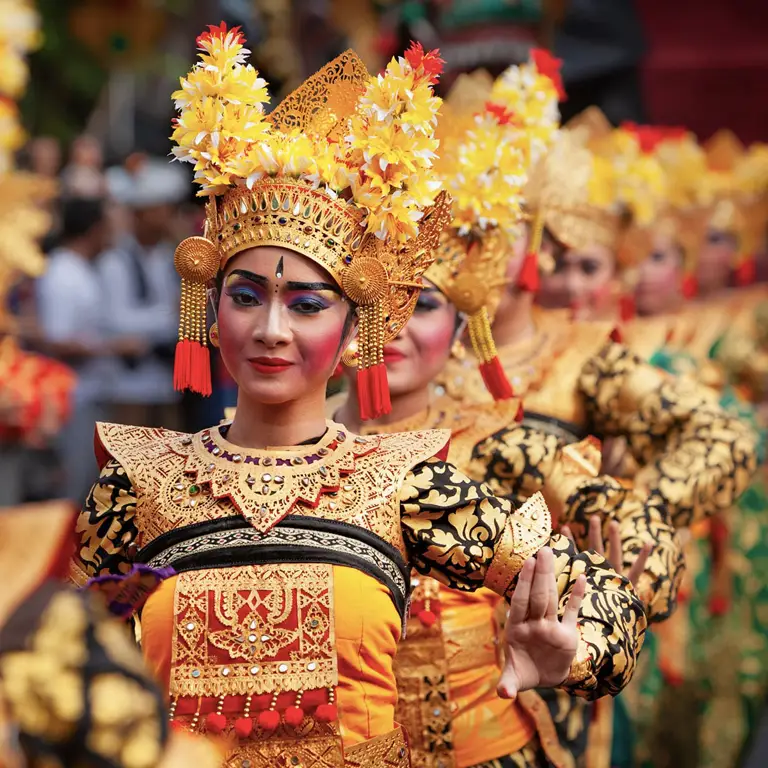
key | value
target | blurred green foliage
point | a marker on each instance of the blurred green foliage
(65, 78)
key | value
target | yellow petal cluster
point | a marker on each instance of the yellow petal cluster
(487, 174)
(381, 163)
(22, 220)
(19, 34)
(532, 97)
(640, 180)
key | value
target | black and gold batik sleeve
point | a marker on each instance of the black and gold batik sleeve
(459, 533)
(106, 527)
(695, 455)
(520, 460)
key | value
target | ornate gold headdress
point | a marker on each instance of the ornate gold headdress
(491, 133)
(339, 172)
(573, 189)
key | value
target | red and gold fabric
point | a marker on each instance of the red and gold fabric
(327, 530)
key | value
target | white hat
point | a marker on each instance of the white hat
(155, 182)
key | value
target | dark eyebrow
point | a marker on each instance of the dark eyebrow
(290, 285)
(252, 276)
(294, 286)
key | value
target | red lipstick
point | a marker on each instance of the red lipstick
(392, 355)
(270, 365)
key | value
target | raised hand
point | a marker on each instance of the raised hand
(614, 554)
(540, 646)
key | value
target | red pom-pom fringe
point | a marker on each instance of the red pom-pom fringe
(718, 606)
(746, 272)
(520, 415)
(327, 713)
(215, 722)
(294, 716)
(243, 727)
(269, 720)
(373, 392)
(528, 279)
(495, 380)
(427, 618)
(616, 335)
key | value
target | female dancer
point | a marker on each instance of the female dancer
(292, 539)
(576, 378)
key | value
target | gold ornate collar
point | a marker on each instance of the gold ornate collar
(264, 485)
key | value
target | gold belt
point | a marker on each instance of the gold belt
(390, 750)
(471, 647)
(321, 748)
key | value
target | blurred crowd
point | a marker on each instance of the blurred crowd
(107, 304)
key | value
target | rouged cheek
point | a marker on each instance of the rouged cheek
(320, 345)
(433, 342)
(235, 330)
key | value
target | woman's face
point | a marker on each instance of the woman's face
(283, 324)
(510, 293)
(580, 277)
(659, 276)
(421, 350)
(715, 260)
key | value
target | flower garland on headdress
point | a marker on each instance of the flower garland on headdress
(484, 163)
(365, 155)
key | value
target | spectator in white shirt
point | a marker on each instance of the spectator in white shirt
(142, 290)
(73, 320)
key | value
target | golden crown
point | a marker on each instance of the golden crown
(573, 193)
(338, 172)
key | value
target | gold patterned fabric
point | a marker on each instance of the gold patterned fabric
(447, 670)
(448, 526)
(697, 457)
(74, 685)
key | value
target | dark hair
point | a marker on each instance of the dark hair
(79, 216)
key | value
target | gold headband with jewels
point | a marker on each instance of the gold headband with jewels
(339, 172)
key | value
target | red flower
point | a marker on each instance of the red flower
(648, 136)
(546, 64)
(502, 115)
(429, 64)
(220, 32)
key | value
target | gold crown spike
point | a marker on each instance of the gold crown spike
(315, 176)
(574, 193)
(471, 271)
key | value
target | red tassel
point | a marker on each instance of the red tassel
(243, 727)
(528, 279)
(745, 272)
(364, 393)
(327, 713)
(520, 415)
(192, 368)
(373, 392)
(215, 722)
(181, 365)
(626, 307)
(616, 335)
(294, 716)
(690, 286)
(495, 379)
(427, 618)
(200, 373)
(269, 720)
